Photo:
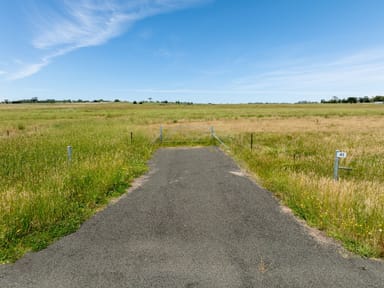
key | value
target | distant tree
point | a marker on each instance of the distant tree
(378, 98)
(334, 99)
(365, 99)
(351, 100)
(135, 102)
(116, 100)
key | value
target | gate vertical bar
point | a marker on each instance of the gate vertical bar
(213, 135)
(251, 141)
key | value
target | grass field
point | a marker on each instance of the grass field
(44, 196)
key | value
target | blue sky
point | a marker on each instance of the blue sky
(217, 51)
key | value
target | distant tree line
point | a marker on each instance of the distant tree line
(46, 101)
(36, 100)
(333, 100)
(352, 100)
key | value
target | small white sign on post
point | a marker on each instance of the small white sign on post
(341, 154)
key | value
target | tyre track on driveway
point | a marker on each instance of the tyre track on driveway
(197, 221)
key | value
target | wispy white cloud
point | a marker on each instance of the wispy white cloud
(356, 74)
(27, 70)
(85, 23)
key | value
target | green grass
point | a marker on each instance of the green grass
(44, 197)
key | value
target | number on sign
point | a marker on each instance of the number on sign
(341, 154)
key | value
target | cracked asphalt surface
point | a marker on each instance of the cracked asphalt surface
(197, 221)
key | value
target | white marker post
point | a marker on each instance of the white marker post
(338, 155)
(69, 153)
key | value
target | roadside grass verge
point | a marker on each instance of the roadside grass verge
(298, 168)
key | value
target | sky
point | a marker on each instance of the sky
(201, 51)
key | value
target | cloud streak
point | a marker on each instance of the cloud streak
(352, 75)
(357, 74)
(86, 23)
